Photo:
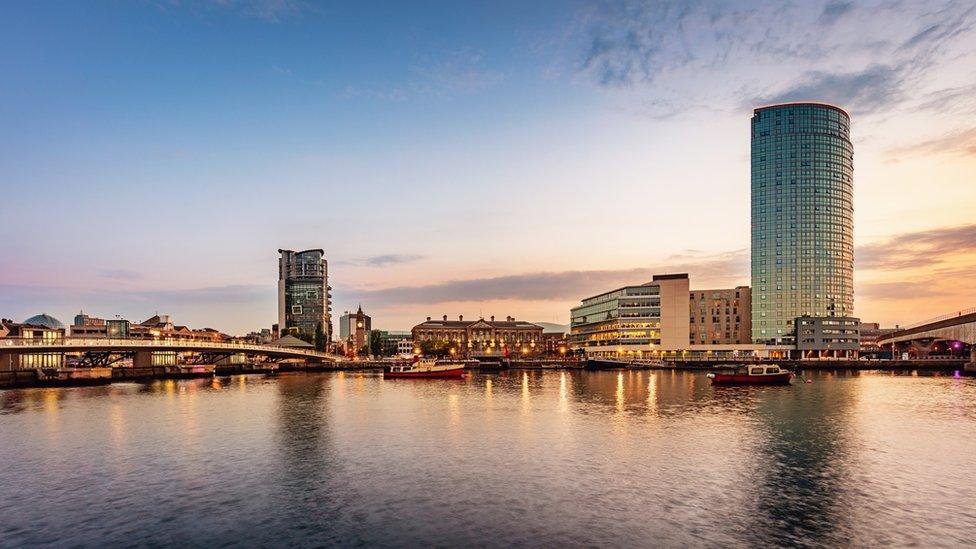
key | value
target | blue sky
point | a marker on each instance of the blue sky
(457, 157)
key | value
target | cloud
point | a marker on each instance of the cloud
(960, 99)
(864, 91)
(727, 268)
(962, 143)
(918, 249)
(461, 72)
(669, 52)
(390, 259)
(898, 291)
(834, 11)
(119, 274)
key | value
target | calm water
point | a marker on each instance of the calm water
(520, 458)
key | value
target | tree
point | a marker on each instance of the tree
(437, 349)
(375, 343)
(320, 341)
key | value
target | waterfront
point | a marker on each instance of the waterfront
(635, 458)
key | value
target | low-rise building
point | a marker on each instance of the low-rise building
(556, 343)
(828, 336)
(638, 321)
(42, 328)
(393, 342)
(871, 332)
(480, 337)
(406, 347)
(154, 327)
(720, 317)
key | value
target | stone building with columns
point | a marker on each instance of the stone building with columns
(481, 337)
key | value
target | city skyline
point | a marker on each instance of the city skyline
(455, 162)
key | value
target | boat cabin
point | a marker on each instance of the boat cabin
(760, 370)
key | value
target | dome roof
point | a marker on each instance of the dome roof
(45, 320)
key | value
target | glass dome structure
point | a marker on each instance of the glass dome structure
(45, 320)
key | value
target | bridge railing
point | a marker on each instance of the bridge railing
(154, 344)
(939, 318)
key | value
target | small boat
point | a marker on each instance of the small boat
(426, 368)
(754, 374)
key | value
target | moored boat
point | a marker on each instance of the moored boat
(426, 368)
(754, 374)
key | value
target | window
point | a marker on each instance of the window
(296, 309)
(755, 371)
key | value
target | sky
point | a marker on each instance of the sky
(476, 158)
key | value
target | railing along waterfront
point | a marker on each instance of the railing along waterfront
(155, 343)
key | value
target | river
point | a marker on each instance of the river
(524, 458)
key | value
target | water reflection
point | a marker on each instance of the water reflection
(512, 458)
(802, 466)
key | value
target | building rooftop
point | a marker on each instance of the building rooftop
(802, 104)
(45, 320)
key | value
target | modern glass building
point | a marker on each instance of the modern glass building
(303, 292)
(802, 217)
(639, 321)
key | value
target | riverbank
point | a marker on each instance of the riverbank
(81, 377)
(901, 365)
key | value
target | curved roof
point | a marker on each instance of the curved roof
(803, 104)
(45, 320)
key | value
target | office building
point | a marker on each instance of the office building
(720, 317)
(828, 337)
(304, 298)
(81, 319)
(635, 321)
(802, 217)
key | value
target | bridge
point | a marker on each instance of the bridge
(17, 353)
(951, 333)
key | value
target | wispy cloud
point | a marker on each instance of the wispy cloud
(962, 143)
(462, 72)
(782, 51)
(726, 269)
(899, 291)
(119, 274)
(390, 259)
(918, 249)
(834, 11)
(273, 11)
(864, 91)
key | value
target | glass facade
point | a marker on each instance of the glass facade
(802, 217)
(304, 292)
(627, 320)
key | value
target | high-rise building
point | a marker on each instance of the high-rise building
(304, 293)
(802, 217)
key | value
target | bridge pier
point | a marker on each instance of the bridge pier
(971, 365)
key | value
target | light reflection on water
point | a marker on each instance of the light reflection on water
(522, 457)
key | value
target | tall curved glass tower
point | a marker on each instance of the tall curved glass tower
(802, 217)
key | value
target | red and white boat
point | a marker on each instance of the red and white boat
(753, 374)
(426, 368)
